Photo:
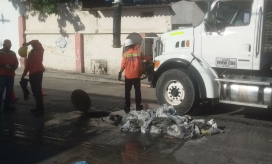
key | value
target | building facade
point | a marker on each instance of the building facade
(80, 39)
(9, 22)
(58, 35)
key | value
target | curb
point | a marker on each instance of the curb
(83, 77)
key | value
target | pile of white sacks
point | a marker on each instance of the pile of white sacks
(164, 120)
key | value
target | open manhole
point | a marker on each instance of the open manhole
(82, 102)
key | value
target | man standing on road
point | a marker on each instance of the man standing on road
(35, 68)
(8, 65)
(132, 64)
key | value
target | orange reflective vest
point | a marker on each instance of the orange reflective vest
(34, 61)
(132, 63)
(8, 58)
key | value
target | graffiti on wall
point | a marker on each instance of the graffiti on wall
(62, 43)
(3, 20)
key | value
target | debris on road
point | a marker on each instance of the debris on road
(164, 120)
(81, 162)
(117, 119)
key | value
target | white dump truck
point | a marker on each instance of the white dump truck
(227, 58)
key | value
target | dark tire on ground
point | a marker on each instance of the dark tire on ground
(171, 79)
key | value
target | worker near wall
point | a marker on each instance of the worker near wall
(35, 68)
(132, 64)
(8, 65)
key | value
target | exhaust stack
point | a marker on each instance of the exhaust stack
(117, 12)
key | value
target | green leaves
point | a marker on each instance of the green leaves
(48, 6)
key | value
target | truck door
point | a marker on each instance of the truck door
(266, 29)
(150, 47)
(228, 34)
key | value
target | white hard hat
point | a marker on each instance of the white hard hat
(128, 42)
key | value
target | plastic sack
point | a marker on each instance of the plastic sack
(145, 118)
(212, 123)
(165, 111)
(80, 162)
(155, 130)
(175, 131)
(211, 131)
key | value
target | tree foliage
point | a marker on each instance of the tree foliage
(48, 6)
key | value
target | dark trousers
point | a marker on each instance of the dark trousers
(35, 80)
(6, 82)
(137, 86)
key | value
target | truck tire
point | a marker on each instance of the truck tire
(178, 88)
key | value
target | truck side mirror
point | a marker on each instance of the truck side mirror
(213, 23)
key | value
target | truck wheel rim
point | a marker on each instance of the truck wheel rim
(174, 92)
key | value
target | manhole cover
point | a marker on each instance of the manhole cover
(81, 100)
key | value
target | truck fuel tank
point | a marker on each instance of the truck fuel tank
(245, 90)
(246, 93)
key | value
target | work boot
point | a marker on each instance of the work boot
(32, 111)
(9, 109)
(139, 107)
(126, 109)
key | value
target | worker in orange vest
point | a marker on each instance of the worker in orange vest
(23, 53)
(35, 68)
(132, 64)
(8, 65)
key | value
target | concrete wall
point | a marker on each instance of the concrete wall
(9, 13)
(57, 34)
(99, 45)
(59, 51)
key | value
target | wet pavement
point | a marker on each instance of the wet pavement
(65, 135)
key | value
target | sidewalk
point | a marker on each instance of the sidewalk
(50, 73)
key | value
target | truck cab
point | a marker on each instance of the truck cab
(226, 58)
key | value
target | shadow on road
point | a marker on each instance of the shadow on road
(232, 111)
(65, 135)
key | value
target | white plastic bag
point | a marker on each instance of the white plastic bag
(212, 123)
(165, 111)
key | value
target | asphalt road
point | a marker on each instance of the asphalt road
(65, 135)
